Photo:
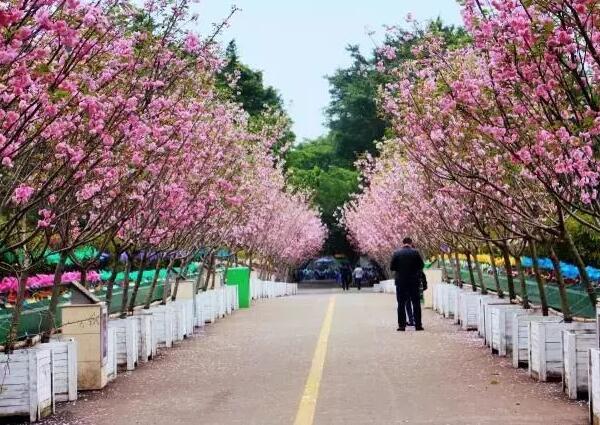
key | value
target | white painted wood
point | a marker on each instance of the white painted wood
(469, 310)
(594, 385)
(126, 341)
(545, 347)
(27, 384)
(145, 335)
(575, 346)
(187, 307)
(64, 354)
(496, 326)
(162, 318)
(178, 324)
(111, 354)
(520, 336)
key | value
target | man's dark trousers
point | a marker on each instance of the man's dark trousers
(403, 296)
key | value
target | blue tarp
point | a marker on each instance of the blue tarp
(569, 271)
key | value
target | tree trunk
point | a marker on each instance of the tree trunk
(125, 288)
(211, 262)
(480, 276)
(444, 268)
(457, 276)
(499, 290)
(538, 277)
(471, 275)
(524, 295)
(111, 282)
(13, 331)
(138, 281)
(167, 285)
(585, 278)
(50, 317)
(562, 291)
(150, 296)
(508, 268)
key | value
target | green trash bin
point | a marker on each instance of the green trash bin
(240, 276)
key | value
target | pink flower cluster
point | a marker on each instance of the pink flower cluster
(40, 281)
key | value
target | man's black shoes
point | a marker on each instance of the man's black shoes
(419, 328)
(401, 329)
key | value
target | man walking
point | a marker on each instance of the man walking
(358, 276)
(408, 265)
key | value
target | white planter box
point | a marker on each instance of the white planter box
(188, 320)
(439, 296)
(520, 336)
(179, 327)
(545, 347)
(126, 341)
(111, 354)
(199, 312)
(502, 332)
(449, 301)
(484, 301)
(27, 382)
(594, 385)
(208, 306)
(496, 325)
(64, 356)
(468, 310)
(145, 335)
(575, 346)
(162, 319)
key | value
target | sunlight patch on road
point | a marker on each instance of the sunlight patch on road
(308, 403)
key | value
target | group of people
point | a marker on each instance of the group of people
(346, 275)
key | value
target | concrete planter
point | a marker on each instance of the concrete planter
(545, 348)
(520, 337)
(126, 341)
(27, 382)
(64, 356)
(145, 335)
(111, 354)
(575, 347)
(496, 326)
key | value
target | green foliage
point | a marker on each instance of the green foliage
(257, 99)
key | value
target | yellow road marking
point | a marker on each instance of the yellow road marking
(308, 403)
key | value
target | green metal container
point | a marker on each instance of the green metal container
(240, 276)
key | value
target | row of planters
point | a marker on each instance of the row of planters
(93, 346)
(551, 348)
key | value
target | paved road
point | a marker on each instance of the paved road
(252, 368)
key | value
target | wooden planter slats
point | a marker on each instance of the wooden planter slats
(594, 385)
(126, 341)
(449, 301)
(145, 336)
(64, 353)
(179, 328)
(545, 347)
(496, 329)
(187, 307)
(520, 336)
(575, 347)
(468, 305)
(111, 354)
(504, 345)
(484, 301)
(162, 319)
(26, 383)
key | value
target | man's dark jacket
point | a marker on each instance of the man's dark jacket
(408, 265)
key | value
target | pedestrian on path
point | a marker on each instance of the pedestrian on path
(408, 266)
(346, 276)
(358, 276)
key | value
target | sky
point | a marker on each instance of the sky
(296, 43)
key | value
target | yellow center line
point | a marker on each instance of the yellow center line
(308, 403)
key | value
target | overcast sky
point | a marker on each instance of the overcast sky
(297, 42)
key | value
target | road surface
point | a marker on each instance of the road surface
(325, 357)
